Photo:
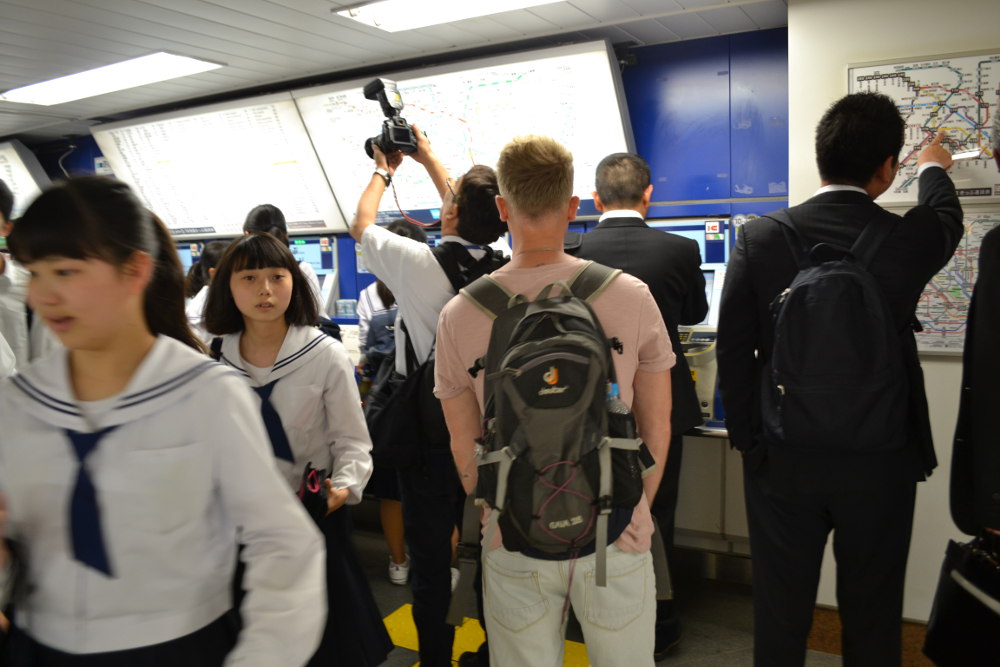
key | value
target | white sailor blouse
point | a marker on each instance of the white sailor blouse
(173, 470)
(312, 389)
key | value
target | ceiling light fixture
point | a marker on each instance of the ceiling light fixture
(398, 15)
(132, 73)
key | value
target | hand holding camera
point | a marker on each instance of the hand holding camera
(396, 133)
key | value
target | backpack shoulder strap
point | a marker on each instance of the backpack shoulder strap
(791, 234)
(457, 262)
(489, 296)
(871, 237)
(591, 280)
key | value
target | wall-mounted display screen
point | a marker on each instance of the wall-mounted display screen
(22, 173)
(710, 235)
(203, 169)
(319, 251)
(469, 111)
(189, 253)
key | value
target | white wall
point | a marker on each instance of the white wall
(825, 36)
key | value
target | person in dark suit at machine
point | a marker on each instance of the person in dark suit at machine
(797, 494)
(670, 265)
(975, 462)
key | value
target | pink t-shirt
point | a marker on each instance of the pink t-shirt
(627, 312)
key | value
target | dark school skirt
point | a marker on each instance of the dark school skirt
(355, 635)
(383, 484)
(207, 647)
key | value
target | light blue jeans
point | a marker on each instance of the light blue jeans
(523, 599)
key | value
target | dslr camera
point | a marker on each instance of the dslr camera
(396, 133)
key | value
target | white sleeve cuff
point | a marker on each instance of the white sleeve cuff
(927, 165)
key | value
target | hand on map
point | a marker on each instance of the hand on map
(935, 152)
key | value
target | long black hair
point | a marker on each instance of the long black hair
(94, 217)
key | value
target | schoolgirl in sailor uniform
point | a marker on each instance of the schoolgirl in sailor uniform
(130, 465)
(261, 303)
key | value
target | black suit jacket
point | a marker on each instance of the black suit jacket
(670, 265)
(762, 266)
(975, 463)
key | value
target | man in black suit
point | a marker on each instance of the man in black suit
(796, 496)
(975, 462)
(670, 265)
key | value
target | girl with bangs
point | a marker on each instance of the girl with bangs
(261, 305)
(130, 465)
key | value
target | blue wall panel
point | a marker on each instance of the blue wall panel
(678, 101)
(759, 113)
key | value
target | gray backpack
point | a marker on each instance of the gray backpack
(557, 471)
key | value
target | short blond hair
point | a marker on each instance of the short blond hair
(535, 174)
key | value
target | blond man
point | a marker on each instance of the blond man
(524, 595)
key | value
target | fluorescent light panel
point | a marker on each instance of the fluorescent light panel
(132, 73)
(398, 15)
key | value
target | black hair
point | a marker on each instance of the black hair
(257, 251)
(198, 275)
(621, 180)
(269, 219)
(856, 135)
(478, 218)
(94, 217)
(6, 201)
(408, 229)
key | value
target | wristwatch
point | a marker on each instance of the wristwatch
(386, 176)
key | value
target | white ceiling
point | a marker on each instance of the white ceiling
(265, 42)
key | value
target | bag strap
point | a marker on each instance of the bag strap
(458, 263)
(489, 296)
(216, 348)
(410, 355)
(591, 280)
(791, 234)
(876, 229)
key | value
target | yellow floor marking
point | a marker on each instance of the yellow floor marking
(468, 637)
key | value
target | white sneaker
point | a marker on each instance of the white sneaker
(399, 573)
(454, 578)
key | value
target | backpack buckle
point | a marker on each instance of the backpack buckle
(604, 505)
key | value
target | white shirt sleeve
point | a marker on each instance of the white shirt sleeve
(421, 288)
(366, 308)
(350, 444)
(310, 273)
(6, 358)
(284, 610)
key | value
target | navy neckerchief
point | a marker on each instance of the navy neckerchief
(275, 429)
(85, 516)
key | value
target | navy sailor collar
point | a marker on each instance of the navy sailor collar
(168, 373)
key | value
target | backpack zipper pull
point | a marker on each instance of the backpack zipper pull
(784, 294)
(781, 389)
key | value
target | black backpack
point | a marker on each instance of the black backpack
(403, 415)
(381, 339)
(552, 466)
(835, 380)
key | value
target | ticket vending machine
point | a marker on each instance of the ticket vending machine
(699, 345)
